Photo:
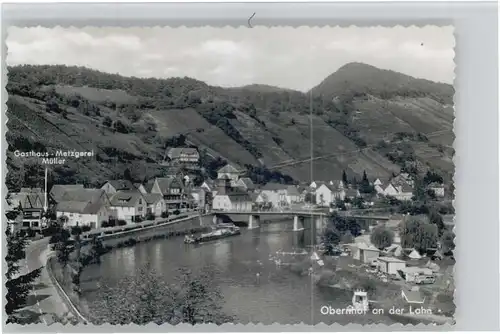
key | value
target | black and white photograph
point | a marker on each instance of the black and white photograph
(230, 175)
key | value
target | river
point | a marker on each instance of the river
(254, 287)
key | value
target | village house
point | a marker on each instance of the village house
(378, 184)
(293, 195)
(390, 265)
(328, 193)
(364, 253)
(230, 199)
(30, 202)
(113, 186)
(84, 207)
(155, 204)
(437, 188)
(403, 192)
(316, 184)
(129, 206)
(209, 185)
(228, 172)
(352, 193)
(172, 190)
(245, 184)
(183, 155)
(273, 193)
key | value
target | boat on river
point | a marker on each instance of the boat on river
(218, 232)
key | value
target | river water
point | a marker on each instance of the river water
(254, 287)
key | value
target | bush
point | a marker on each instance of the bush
(150, 216)
(107, 121)
(164, 214)
(86, 228)
(176, 212)
(138, 219)
(110, 223)
(382, 237)
(122, 222)
(120, 127)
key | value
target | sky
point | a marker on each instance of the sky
(295, 58)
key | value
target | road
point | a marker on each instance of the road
(44, 302)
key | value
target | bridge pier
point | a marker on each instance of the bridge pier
(253, 221)
(298, 223)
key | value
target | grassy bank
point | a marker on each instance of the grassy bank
(384, 295)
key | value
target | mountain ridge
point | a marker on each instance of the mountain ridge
(259, 125)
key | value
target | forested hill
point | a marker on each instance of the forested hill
(364, 119)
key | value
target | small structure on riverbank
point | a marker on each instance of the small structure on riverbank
(360, 300)
(390, 265)
(413, 296)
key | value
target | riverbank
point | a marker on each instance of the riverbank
(334, 274)
(62, 276)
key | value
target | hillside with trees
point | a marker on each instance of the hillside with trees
(363, 119)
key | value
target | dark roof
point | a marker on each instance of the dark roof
(28, 199)
(274, 186)
(406, 188)
(247, 182)
(176, 152)
(152, 198)
(351, 192)
(88, 201)
(239, 195)
(149, 185)
(126, 198)
(165, 183)
(58, 190)
(121, 184)
(292, 191)
(83, 195)
(228, 169)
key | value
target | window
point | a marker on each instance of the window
(140, 209)
(140, 201)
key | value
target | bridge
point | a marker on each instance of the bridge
(298, 217)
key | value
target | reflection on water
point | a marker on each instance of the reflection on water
(254, 287)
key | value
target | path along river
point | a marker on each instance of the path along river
(254, 287)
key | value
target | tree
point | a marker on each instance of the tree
(418, 233)
(347, 238)
(365, 187)
(107, 121)
(61, 244)
(436, 219)
(18, 286)
(344, 178)
(309, 198)
(189, 299)
(381, 237)
(448, 241)
(331, 237)
(127, 175)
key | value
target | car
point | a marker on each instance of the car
(425, 279)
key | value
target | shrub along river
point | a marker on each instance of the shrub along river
(254, 287)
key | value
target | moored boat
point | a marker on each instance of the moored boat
(218, 233)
